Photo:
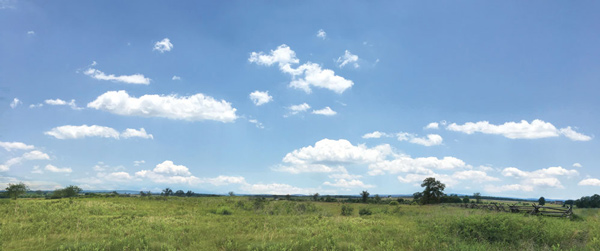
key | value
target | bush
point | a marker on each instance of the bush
(364, 211)
(347, 210)
(394, 203)
(224, 211)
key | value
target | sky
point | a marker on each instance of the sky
(329, 97)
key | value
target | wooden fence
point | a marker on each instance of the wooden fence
(532, 210)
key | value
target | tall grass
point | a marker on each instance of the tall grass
(241, 223)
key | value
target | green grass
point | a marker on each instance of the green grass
(241, 223)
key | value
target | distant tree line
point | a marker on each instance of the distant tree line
(588, 201)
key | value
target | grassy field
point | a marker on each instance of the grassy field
(242, 223)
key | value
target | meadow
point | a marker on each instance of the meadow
(245, 223)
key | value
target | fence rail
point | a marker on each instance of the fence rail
(532, 210)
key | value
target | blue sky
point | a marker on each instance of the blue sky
(297, 98)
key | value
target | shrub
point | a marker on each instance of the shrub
(224, 211)
(364, 211)
(347, 210)
(394, 203)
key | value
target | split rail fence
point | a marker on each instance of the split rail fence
(532, 210)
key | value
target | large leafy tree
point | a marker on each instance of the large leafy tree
(365, 196)
(542, 201)
(434, 191)
(16, 190)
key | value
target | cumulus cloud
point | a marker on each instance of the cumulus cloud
(322, 34)
(348, 58)
(577, 165)
(222, 180)
(128, 79)
(84, 131)
(176, 78)
(521, 130)
(422, 165)
(433, 125)
(31, 33)
(304, 76)
(168, 172)
(507, 188)
(138, 162)
(33, 155)
(430, 140)
(197, 107)
(55, 169)
(163, 45)
(546, 177)
(71, 103)
(276, 188)
(37, 170)
(141, 133)
(260, 98)
(589, 182)
(9, 146)
(327, 151)
(15, 103)
(295, 109)
(325, 111)
(343, 183)
(474, 175)
(376, 135)
(256, 123)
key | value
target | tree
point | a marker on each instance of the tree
(167, 192)
(288, 197)
(417, 196)
(542, 201)
(179, 193)
(377, 199)
(315, 196)
(16, 190)
(365, 196)
(71, 191)
(466, 199)
(189, 193)
(477, 197)
(231, 193)
(434, 190)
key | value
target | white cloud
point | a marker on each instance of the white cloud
(15, 103)
(128, 79)
(521, 130)
(322, 34)
(197, 107)
(343, 183)
(163, 45)
(589, 182)
(295, 109)
(141, 133)
(546, 177)
(474, 175)
(168, 167)
(222, 180)
(168, 172)
(9, 146)
(407, 164)
(573, 135)
(348, 58)
(138, 162)
(276, 188)
(433, 125)
(176, 78)
(84, 131)
(376, 135)
(255, 122)
(36, 106)
(77, 132)
(33, 155)
(31, 33)
(118, 176)
(260, 98)
(305, 75)
(57, 101)
(577, 165)
(430, 140)
(37, 170)
(55, 169)
(325, 111)
(506, 188)
(327, 151)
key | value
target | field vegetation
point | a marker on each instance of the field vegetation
(114, 222)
